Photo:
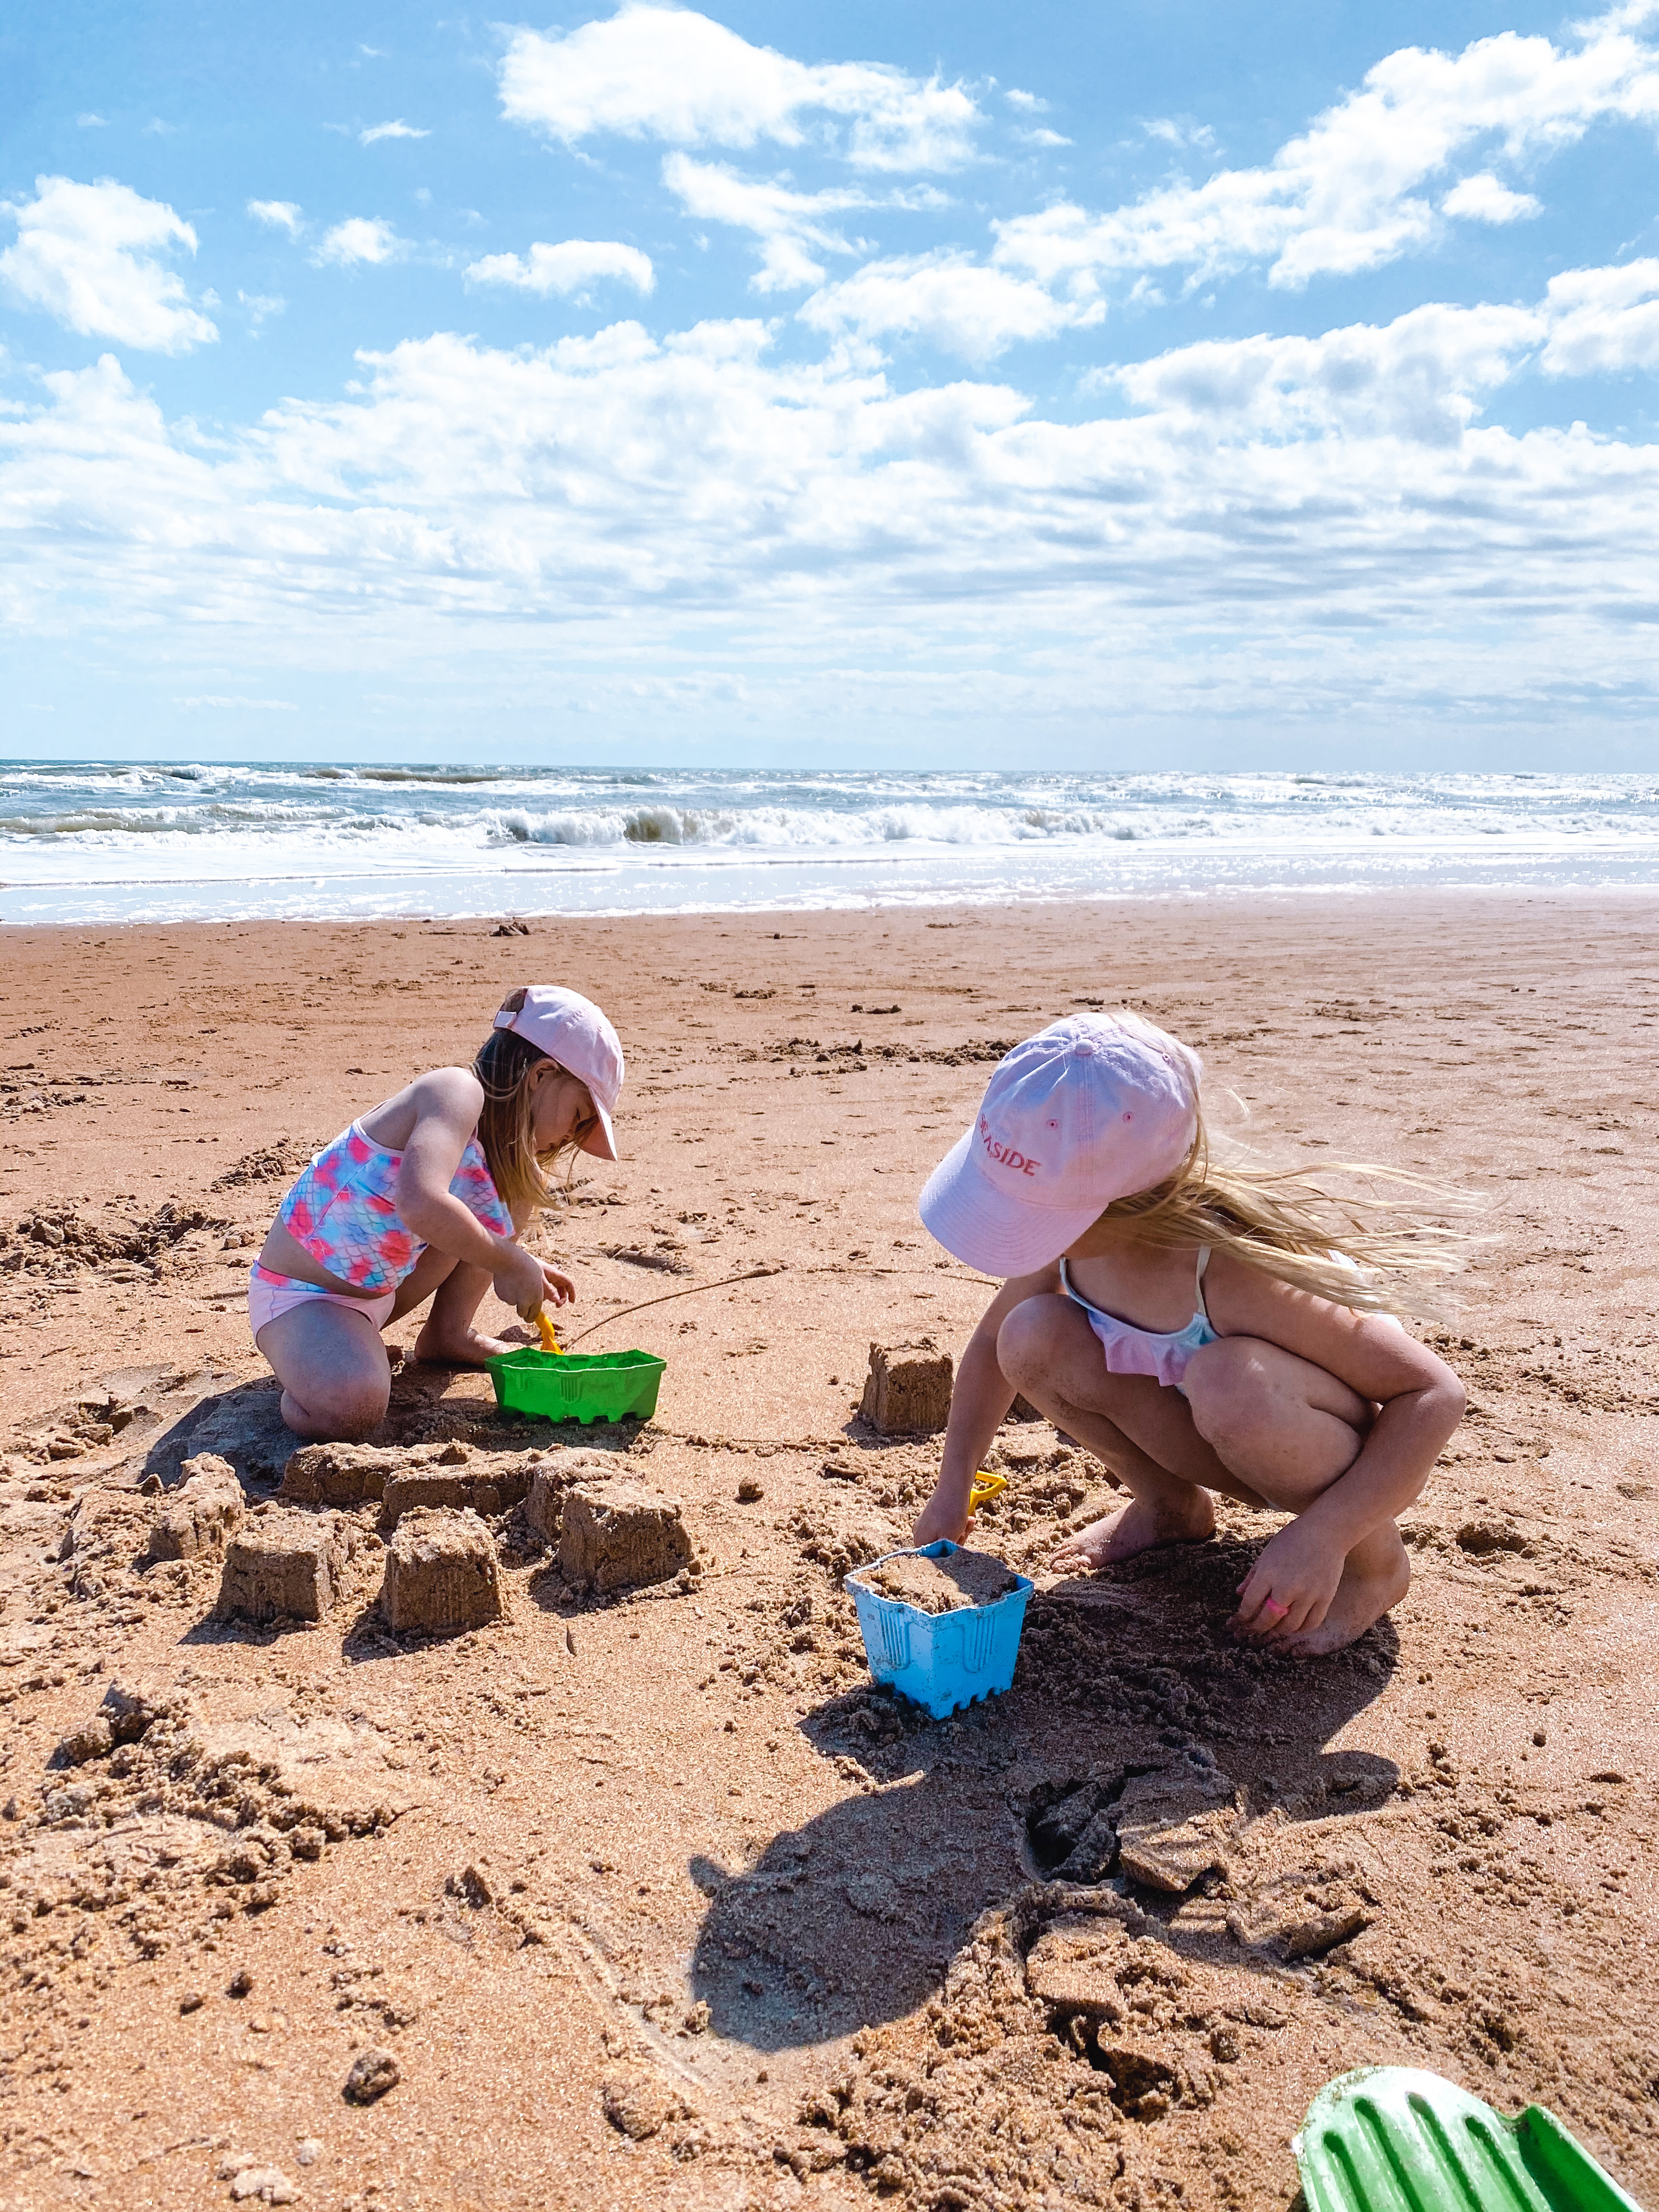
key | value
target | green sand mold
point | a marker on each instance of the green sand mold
(1396, 2139)
(577, 1386)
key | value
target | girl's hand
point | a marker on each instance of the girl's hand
(945, 1515)
(558, 1290)
(521, 1279)
(1289, 1588)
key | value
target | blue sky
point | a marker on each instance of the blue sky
(1202, 385)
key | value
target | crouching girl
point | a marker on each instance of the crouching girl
(1200, 1329)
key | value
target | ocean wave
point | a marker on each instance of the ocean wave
(134, 822)
(811, 830)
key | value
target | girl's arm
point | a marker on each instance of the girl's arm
(447, 1103)
(979, 1402)
(1420, 1402)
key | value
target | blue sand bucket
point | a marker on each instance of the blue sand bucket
(940, 1661)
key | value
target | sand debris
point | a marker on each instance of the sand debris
(198, 1517)
(373, 2073)
(641, 2104)
(60, 1240)
(276, 1162)
(1305, 1911)
(1175, 1825)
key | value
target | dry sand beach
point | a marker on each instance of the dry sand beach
(650, 1900)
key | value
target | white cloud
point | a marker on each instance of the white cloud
(91, 256)
(1422, 376)
(235, 699)
(359, 239)
(1351, 193)
(570, 266)
(279, 215)
(1603, 319)
(1181, 131)
(260, 307)
(1482, 199)
(465, 500)
(1027, 102)
(669, 73)
(1042, 137)
(790, 225)
(376, 131)
(950, 299)
(91, 122)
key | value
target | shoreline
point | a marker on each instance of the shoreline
(1227, 897)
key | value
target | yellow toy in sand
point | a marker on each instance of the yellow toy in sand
(985, 1487)
(537, 1318)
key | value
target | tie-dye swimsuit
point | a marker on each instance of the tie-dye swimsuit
(1163, 1354)
(344, 1211)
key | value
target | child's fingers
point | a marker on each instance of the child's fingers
(1281, 1626)
(1256, 1591)
(1261, 1614)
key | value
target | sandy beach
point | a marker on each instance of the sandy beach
(652, 1901)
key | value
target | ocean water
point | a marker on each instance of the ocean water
(92, 842)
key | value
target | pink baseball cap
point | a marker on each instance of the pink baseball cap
(572, 1029)
(1091, 1108)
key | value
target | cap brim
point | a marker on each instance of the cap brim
(986, 1227)
(601, 1142)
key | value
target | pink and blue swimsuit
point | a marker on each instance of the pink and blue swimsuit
(344, 1210)
(1162, 1354)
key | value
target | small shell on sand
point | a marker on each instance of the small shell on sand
(942, 1585)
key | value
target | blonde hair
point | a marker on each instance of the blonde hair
(1376, 1251)
(506, 1065)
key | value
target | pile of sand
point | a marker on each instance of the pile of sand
(942, 1585)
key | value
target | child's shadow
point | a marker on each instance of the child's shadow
(852, 1918)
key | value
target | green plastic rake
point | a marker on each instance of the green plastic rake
(1392, 2139)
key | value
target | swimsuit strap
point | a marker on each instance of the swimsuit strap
(1198, 1280)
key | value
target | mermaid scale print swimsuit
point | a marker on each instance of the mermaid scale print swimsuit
(344, 1211)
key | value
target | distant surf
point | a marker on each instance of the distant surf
(92, 842)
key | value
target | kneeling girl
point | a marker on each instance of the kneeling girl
(426, 1197)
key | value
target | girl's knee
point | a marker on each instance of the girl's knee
(346, 1409)
(1025, 1341)
(1225, 1383)
(360, 1420)
(1240, 1396)
(1265, 1413)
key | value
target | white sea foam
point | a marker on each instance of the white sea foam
(85, 843)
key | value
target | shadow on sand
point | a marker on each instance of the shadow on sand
(851, 1919)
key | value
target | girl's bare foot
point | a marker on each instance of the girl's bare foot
(1186, 1517)
(462, 1347)
(1376, 1576)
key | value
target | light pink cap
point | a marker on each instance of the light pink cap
(1094, 1108)
(571, 1029)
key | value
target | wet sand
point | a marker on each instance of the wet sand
(652, 1901)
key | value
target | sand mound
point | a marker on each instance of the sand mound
(944, 1585)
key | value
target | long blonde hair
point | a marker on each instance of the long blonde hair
(507, 1126)
(1376, 1251)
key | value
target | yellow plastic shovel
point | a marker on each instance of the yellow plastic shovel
(537, 1315)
